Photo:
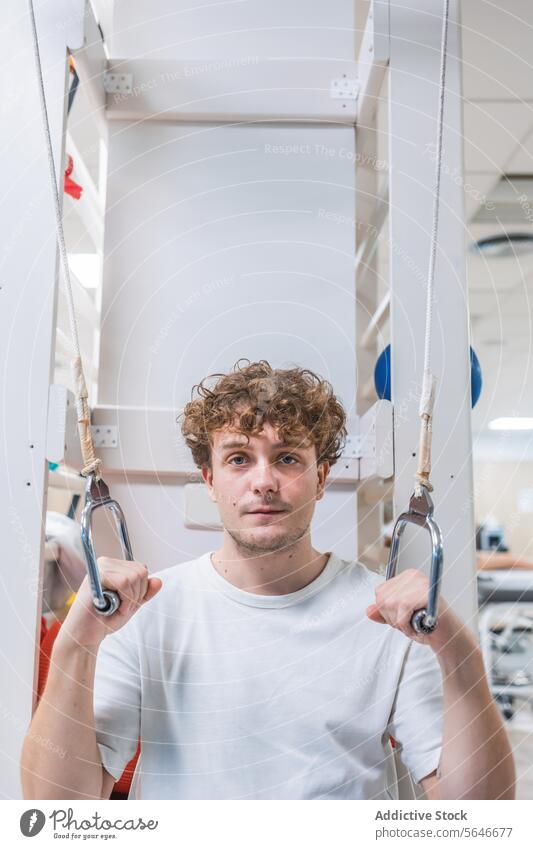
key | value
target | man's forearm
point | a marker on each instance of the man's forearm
(477, 761)
(69, 765)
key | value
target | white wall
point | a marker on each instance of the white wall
(223, 242)
(172, 29)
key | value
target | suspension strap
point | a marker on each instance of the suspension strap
(91, 463)
(429, 381)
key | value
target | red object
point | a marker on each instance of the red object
(123, 784)
(47, 641)
(71, 188)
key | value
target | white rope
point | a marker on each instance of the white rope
(91, 463)
(427, 398)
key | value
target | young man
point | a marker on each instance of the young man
(265, 669)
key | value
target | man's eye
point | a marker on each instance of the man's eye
(289, 457)
(235, 460)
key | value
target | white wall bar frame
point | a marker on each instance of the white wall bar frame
(27, 333)
(149, 442)
(414, 71)
(247, 89)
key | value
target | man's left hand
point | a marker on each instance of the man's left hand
(398, 599)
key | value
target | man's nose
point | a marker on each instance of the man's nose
(264, 478)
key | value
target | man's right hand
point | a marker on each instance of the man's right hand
(84, 626)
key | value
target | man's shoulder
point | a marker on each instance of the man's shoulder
(179, 586)
(355, 572)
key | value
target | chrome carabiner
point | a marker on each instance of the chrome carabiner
(97, 495)
(420, 513)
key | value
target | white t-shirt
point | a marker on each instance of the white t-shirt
(236, 695)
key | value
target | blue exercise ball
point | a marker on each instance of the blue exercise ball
(476, 377)
(382, 376)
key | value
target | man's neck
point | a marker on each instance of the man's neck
(269, 573)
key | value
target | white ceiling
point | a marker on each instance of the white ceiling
(498, 133)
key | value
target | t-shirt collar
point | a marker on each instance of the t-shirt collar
(256, 599)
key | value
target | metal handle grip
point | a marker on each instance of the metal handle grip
(105, 601)
(420, 513)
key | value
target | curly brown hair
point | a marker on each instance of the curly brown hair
(295, 401)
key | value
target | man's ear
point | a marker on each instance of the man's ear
(207, 475)
(323, 471)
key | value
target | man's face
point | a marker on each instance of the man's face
(266, 491)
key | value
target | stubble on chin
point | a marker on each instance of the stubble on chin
(247, 544)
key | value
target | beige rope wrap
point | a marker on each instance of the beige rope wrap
(427, 402)
(91, 463)
(424, 456)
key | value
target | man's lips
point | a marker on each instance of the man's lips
(265, 510)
